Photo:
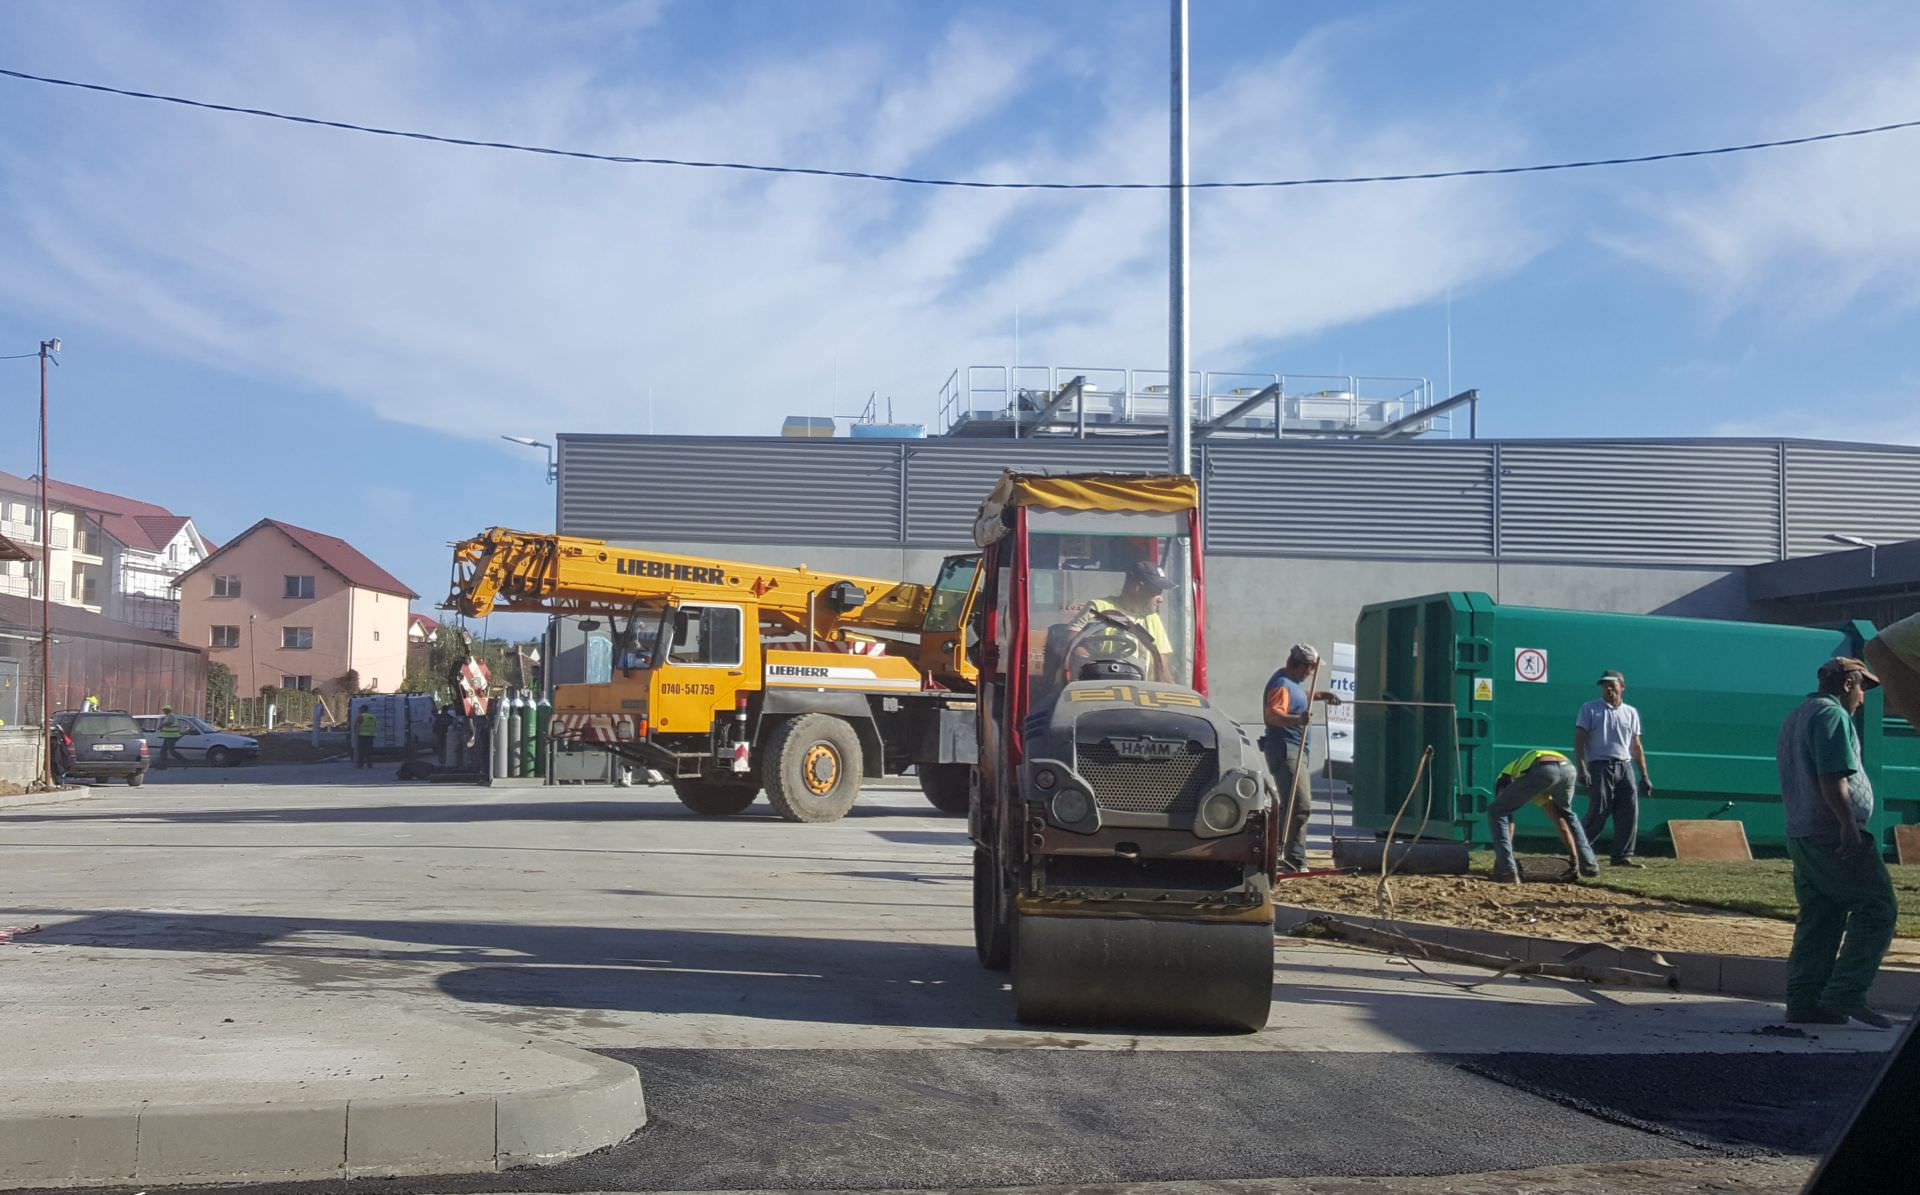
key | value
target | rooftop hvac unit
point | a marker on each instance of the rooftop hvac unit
(808, 427)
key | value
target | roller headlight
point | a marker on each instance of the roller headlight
(1044, 778)
(1071, 806)
(1219, 812)
(1246, 787)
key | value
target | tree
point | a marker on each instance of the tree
(222, 688)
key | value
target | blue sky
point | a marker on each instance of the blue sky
(264, 320)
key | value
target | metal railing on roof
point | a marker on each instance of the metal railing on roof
(1025, 400)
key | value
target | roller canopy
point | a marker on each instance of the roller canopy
(1133, 493)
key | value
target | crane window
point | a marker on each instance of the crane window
(706, 635)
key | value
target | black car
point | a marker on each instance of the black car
(107, 745)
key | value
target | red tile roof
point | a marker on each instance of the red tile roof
(423, 622)
(332, 551)
(139, 525)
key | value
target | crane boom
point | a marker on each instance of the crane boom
(502, 570)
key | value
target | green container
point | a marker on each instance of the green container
(1481, 683)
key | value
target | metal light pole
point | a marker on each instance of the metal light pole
(1180, 430)
(47, 349)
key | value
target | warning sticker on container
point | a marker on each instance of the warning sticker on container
(1530, 665)
(1483, 688)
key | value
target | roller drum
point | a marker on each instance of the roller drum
(1142, 972)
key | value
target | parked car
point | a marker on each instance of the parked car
(107, 745)
(203, 742)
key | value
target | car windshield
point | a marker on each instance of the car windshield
(1109, 587)
(104, 724)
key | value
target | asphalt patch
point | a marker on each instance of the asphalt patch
(936, 1119)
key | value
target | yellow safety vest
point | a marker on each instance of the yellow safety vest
(1518, 767)
(366, 722)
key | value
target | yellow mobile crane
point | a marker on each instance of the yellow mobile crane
(734, 678)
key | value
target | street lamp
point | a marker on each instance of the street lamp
(1873, 551)
(47, 349)
(553, 470)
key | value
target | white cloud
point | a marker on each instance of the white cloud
(1810, 230)
(483, 292)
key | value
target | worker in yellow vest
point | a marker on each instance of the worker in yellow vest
(363, 736)
(171, 728)
(1543, 778)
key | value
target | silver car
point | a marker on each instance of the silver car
(203, 742)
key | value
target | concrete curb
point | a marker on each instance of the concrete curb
(327, 1139)
(1706, 974)
(78, 792)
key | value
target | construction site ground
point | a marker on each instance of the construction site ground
(803, 1007)
(1583, 912)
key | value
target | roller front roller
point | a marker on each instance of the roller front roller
(1137, 971)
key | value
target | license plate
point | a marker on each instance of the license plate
(109, 746)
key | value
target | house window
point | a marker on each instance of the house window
(296, 637)
(376, 636)
(302, 683)
(59, 537)
(299, 587)
(374, 684)
(225, 637)
(173, 553)
(90, 591)
(59, 591)
(226, 586)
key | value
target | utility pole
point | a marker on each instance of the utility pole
(1180, 428)
(47, 349)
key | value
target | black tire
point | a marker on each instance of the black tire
(137, 779)
(813, 768)
(714, 798)
(947, 785)
(219, 757)
(992, 936)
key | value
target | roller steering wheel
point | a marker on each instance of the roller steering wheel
(1078, 653)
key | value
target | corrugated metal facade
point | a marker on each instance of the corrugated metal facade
(1874, 495)
(1349, 500)
(1711, 502)
(698, 488)
(1696, 503)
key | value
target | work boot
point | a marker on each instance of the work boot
(1868, 1016)
(1506, 877)
(1817, 1016)
(1633, 863)
(1589, 871)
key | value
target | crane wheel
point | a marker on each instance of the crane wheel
(714, 798)
(1079, 970)
(948, 786)
(813, 768)
(992, 937)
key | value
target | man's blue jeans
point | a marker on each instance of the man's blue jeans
(1552, 779)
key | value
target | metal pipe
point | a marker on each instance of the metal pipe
(1179, 432)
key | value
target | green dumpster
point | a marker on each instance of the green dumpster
(1481, 682)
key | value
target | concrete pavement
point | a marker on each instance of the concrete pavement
(350, 923)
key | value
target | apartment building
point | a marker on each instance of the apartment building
(104, 553)
(295, 609)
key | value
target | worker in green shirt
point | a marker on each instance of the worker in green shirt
(363, 727)
(1543, 778)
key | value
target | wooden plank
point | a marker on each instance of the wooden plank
(1709, 839)
(1906, 843)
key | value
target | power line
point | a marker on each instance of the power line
(978, 184)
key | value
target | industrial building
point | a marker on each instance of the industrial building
(1308, 514)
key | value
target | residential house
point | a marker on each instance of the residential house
(110, 555)
(295, 609)
(421, 629)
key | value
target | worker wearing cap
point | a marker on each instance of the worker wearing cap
(1847, 906)
(1138, 601)
(1287, 707)
(1606, 748)
(171, 728)
(1543, 778)
(1894, 656)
